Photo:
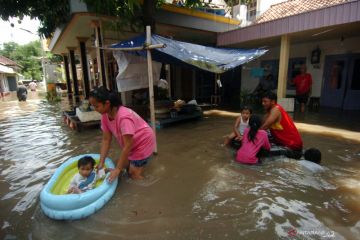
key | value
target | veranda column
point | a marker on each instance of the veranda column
(67, 74)
(100, 56)
(84, 66)
(73, 73)
(283, 66)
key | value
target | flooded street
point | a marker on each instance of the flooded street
(192, 190)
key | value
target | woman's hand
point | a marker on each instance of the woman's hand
(114, 174)
(100, 166)
(238, 138)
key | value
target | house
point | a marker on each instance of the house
(8, 74)
(323, 34)
(78, 41)
(249, 13)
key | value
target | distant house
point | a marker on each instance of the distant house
(323, 34)
(8, 74)
(76, 39)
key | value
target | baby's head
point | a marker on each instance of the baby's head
(86, 165)
(313, 155)
(246, 112)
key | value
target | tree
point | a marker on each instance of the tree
(54, 13)
(28, 56)
(51, 13)
(8, 49)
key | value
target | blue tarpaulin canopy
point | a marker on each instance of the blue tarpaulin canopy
(216, 60)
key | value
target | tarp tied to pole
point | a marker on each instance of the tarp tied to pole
(216, 60)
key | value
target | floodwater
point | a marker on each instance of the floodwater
(192, 190)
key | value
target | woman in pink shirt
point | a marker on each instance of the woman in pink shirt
(133, 134)
(253, 141)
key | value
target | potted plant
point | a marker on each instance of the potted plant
(51, 94)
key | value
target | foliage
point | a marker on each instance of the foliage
(52, 96)
(55, 13)
(193, 3)
(51, 13)
(249, 99)
(54, 58)
(28, 56)
(245, 96)
(129, 12)
(236, 2)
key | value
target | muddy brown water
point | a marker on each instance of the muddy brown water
(192, 190)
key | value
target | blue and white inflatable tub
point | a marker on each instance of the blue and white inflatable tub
(56, 204)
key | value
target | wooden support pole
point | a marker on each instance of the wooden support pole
(283, 66)
(100, 56)
(84, 66)
(74, 74)
(67, 74)
(151, 84)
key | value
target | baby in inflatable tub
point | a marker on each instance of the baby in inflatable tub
(87, 176)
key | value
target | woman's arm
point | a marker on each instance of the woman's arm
(123, 160)
(267, 144)
(105, 146)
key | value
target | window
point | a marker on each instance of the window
(252, 10)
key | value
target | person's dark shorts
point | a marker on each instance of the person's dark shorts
(302, 98)
(140, 163)
(22, 98)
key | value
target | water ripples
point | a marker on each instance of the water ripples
(278, 195)
(32, 147)
(193, 188)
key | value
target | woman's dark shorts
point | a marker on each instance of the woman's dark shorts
(140, 163)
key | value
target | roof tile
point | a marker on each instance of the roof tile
(7, 62)
(293, 7)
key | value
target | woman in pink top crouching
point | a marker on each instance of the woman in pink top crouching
(253, 141)
(134, 135)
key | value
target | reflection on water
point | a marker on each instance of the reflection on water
(192, 190)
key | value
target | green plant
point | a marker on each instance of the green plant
(249, 99)
(244, 96)
(52, 96)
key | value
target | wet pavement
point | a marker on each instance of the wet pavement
(193, 189)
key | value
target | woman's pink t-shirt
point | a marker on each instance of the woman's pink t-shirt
(128, 122)
(248, 151)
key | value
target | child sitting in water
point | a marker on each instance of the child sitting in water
(241, 123)
(313, 155)
(253, 141)
(312, 159)
(87, 176)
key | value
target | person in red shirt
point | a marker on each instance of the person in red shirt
(303, 83)
(281, 126)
